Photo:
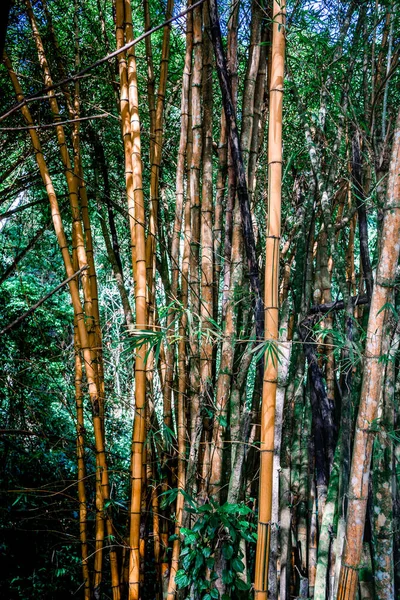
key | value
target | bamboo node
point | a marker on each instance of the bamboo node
(390, 207)
(352, 567)
(361, 498)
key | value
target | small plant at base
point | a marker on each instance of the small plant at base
(217, 529)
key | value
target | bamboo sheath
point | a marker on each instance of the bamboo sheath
(372, 380)
(271, 300)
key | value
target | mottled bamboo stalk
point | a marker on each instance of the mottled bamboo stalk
(372, 379)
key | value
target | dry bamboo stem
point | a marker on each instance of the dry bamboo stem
(207, 255)
(194, 282)
(232, 66)
(180, 199)
(155, 154)
(80, 453)
(233, 273)
(250, 85)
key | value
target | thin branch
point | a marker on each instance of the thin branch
(55, 124)
(9, 213)
(6, 274)
(99, 62)
(337, 305)
(41, 301)
(18, 432)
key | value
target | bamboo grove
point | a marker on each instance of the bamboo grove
(200, 237)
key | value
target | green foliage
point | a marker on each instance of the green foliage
(270, 350)
(218, 530)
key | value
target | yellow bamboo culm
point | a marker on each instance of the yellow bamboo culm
(80, 452)
(139, 271)
(271, 300)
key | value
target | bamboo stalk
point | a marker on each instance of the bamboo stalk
(362, 448)
(207, 255)
(175, 252)
(138, 240)
(271, 300)
(194, 279)
(86, 347)
(80, 453)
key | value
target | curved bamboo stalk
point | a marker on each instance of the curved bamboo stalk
(86, 347)
(84, 252)
(69, 173)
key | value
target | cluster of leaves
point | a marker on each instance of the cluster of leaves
(217, 532)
